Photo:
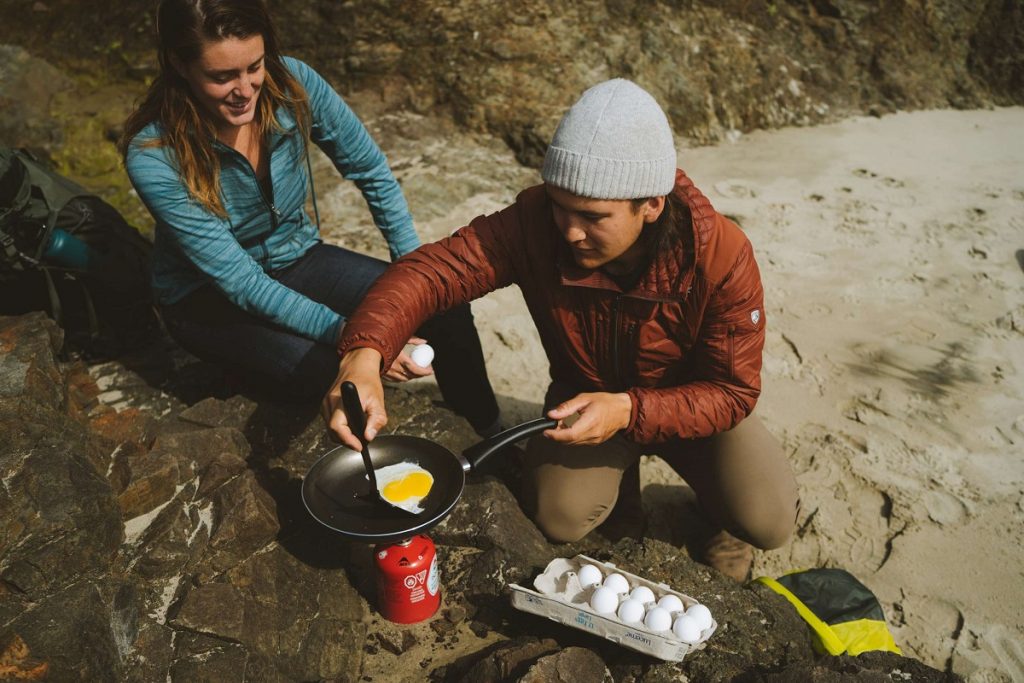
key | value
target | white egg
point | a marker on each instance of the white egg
(701, 615)
(604, 600)
(670, 603)
(617, 582)
(589, 576)
(687, 629)
(643, 594)
(631, 611)
(404, 485)
(658, 619)
(422, 355)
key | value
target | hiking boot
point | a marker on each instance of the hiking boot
(729, 555)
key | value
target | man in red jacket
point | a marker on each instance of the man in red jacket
(650, 309)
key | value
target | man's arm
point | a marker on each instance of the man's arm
(436, 277)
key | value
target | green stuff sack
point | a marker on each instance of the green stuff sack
(845, 616)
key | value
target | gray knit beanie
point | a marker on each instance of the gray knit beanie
(614, 143)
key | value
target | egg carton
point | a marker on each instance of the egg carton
(560, 596)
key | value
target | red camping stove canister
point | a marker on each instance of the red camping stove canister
(408, 585)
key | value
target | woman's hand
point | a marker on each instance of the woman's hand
(601, 416)
(361, 367)
(404, 369)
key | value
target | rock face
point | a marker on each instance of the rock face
(140, 547)
(719, 68)
(27, 87)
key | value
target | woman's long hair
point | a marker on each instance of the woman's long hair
(183, 26)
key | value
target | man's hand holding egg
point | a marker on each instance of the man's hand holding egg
(412, 364)
(423, 355)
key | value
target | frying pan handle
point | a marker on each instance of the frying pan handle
(476, 454)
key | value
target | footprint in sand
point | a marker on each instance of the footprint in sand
(888, 182)
(994, 651)
(1007, 648)
(735, 189)
(944, 508)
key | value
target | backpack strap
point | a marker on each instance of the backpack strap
(7, 244)
(51, 291)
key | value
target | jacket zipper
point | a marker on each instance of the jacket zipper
(618, 362)
(275, 214)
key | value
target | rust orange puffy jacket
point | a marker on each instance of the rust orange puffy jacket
(685, 342)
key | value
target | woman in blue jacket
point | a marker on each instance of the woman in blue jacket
(217, 151)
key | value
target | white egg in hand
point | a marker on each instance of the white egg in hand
(643, 594)
(658, 619)
(631, 611)
(687, 629)
(701, 615)
(604, 600)
(422, 355)
(589, 576)
(670, 603)
(618, 583)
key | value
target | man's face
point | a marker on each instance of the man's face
(226, 79)
(603, 233)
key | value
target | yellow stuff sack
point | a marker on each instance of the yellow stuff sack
(844, 615)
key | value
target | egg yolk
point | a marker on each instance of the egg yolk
(412, 485)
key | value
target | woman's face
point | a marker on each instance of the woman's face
(226, 79)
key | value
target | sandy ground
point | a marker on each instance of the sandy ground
(892, 252)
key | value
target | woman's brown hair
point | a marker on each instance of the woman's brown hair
(182, 27)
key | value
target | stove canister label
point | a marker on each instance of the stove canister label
(433, 578)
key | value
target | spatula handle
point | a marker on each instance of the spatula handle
(357, 423)
(353, 409)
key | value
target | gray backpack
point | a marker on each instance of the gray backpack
(68, 252)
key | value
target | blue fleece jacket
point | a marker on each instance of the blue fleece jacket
(261, 234)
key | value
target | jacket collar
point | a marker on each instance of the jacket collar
(286, 126)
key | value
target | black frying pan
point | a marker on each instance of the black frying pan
(338, 494)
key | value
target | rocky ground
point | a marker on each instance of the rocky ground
(146, 537)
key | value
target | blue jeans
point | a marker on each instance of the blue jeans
(289, 365)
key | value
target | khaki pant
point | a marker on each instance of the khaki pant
(742, 479)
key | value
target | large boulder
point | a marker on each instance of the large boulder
(28, 85)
